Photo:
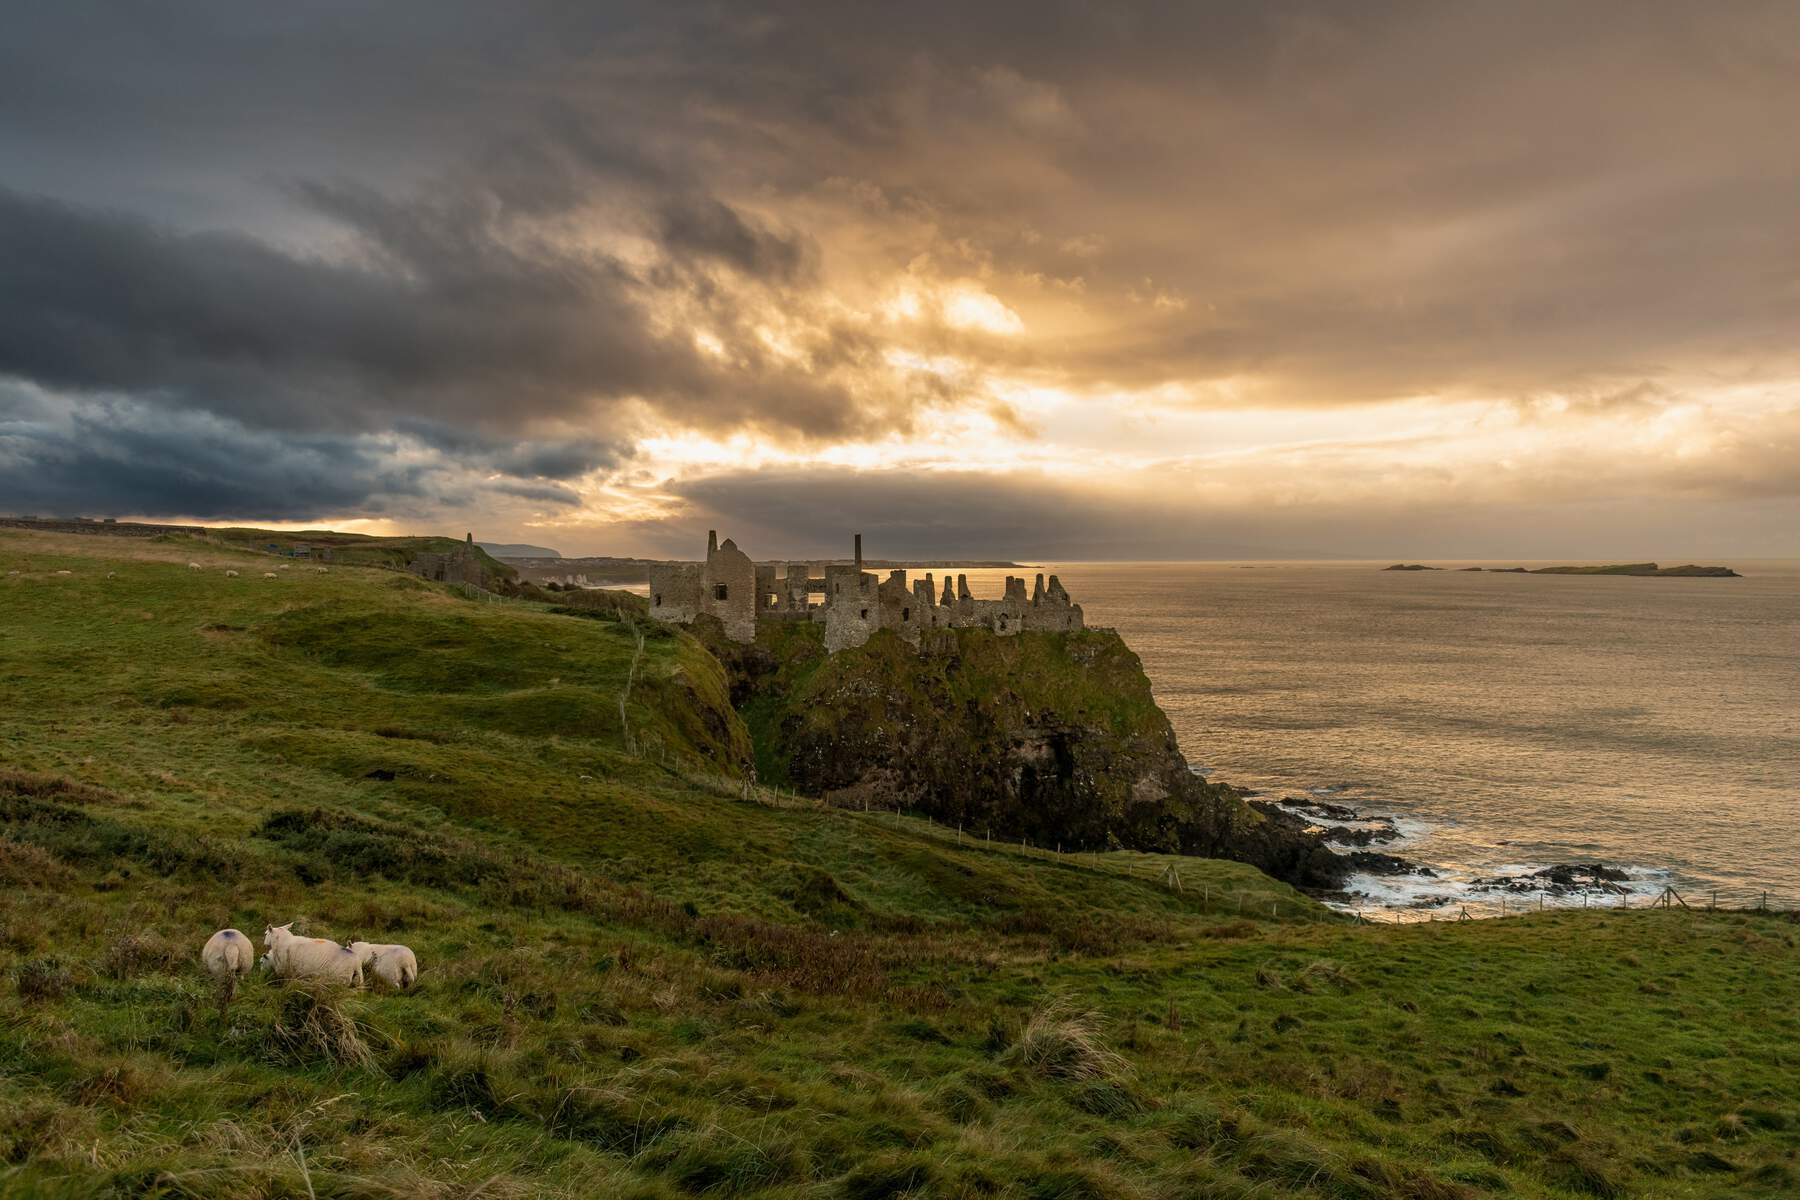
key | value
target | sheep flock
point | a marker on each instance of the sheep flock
(229, 956)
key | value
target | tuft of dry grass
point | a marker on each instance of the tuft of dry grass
(43, 979)
(314, 1024)
(23, 865)
(1062, 1041)
(138, 952)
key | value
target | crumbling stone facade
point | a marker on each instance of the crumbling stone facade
(850, 602)
(724, 586)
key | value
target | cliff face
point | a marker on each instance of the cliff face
(1051, 737)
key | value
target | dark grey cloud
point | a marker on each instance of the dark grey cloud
(560, 459)
(708, 229)
(121, 458)
(64, 455)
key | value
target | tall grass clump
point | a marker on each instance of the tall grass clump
(314, 1024)
(1063, 1041)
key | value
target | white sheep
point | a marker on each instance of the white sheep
(65, 572)
(231, 574)
(227, 957)
(320, 570)
(193, 566)
(294, 957)
(112, 574)
(285, 567)
(270, 575)
(393, 964)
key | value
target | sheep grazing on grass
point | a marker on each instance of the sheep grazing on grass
(294, 957)
(193, 566)
(227, 956)
(65, 572)
(231, 574)
(270, 575)
(112, 574)
(320, 570)
(394, 965)
(285, 567)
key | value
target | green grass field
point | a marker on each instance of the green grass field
(637, 984)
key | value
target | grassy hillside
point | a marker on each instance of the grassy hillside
(637, 984)
(360, 549)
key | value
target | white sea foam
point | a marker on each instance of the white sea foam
(1450, 894)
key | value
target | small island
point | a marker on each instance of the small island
(1687, 571)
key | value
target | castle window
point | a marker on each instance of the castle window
(906, 614)
(719, 591)
(657, 599)
(865, 613)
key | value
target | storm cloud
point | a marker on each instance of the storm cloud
(615, 268)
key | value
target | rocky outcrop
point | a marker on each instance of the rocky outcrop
(1055, 738)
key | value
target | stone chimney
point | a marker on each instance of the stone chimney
(859, 552)
(1037, 593)
(712, 542)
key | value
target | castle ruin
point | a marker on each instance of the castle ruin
(850, 602)
(455, 566)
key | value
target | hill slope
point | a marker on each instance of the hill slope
(637, 984)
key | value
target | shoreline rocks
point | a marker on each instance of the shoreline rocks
(1562, 879)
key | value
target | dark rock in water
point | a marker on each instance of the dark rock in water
(1411, 567)
(1321, 809)
(1341, 835)
(1468, 568)
(1508, 571)
(1373, 862)
(1563, 879)
(1568, 873)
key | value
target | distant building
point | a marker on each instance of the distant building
(853, 603)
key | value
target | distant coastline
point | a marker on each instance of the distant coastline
(1636, 570)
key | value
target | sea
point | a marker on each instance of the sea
(1498, 724)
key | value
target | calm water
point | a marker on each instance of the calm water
(1508, 722)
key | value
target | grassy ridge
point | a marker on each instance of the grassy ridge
(637, 985)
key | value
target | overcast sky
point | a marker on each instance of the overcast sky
(1056, 279)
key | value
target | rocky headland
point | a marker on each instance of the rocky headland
(1053, 738)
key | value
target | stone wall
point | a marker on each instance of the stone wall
(724, 586)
